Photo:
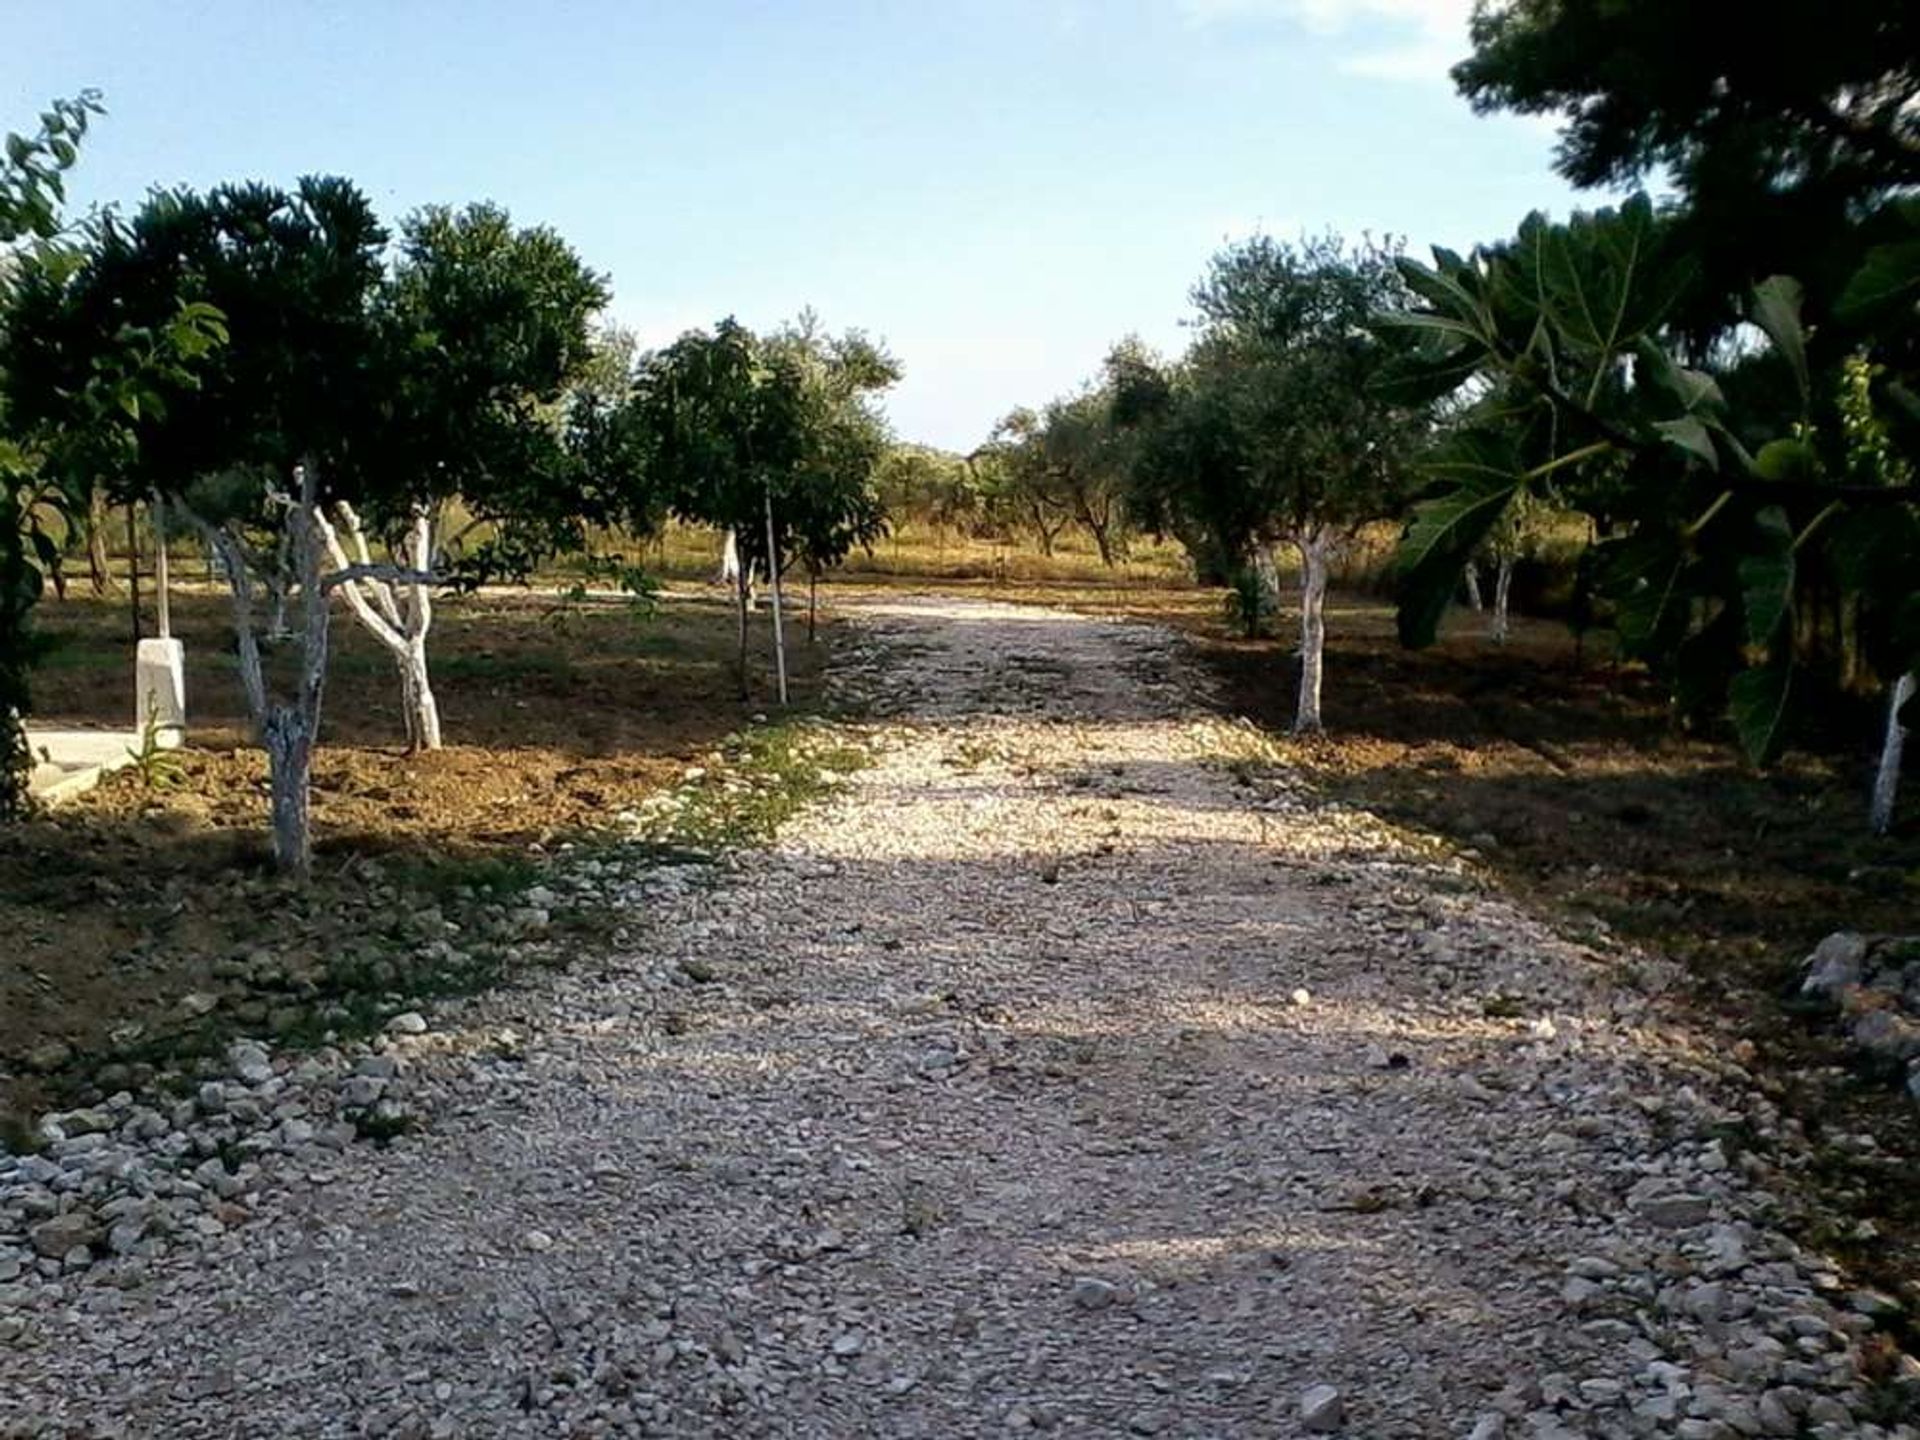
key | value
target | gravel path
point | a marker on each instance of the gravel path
(1072, 1071)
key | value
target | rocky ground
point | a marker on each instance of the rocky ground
(1073, 1071)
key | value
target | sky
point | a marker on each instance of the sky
(999, 189)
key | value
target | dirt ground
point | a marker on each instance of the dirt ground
(558, 715)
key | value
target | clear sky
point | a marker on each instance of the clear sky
(998, 188)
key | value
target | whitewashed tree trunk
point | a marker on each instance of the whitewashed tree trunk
(397, 614)
(1886, 779)
(1502, 588)
(1313, 629)
(1472, 577)
(779, 620)
(730, 568)
(286, 728)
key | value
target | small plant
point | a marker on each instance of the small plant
(1249, 603)
(159, 768)
(642, 590)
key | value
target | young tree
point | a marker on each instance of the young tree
(761, 438)
(264, 430)
(1276, 433)
(483, 328)
(50, 456)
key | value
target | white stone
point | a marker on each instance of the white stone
(1322, 1409)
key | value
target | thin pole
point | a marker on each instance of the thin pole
(133, 573)
(773, 574)
(159, 514)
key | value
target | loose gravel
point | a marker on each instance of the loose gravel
(1073, 1070)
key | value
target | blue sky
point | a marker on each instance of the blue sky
(999, 188)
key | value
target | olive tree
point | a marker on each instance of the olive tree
(1273, 432)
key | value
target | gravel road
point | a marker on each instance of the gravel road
(1073, 1070)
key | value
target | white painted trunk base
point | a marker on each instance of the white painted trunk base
(1886, 778)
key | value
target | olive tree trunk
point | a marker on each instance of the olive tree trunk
(1471, 575)
(1502, 589)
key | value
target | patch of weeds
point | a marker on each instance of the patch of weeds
(382, 1129)
(971, 754)
(17, 1135)
(158, 767)
(764, 776)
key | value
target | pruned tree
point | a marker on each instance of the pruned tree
(262, 431)
(483, 327)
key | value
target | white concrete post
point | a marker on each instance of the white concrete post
(160, 691)
(160, 665)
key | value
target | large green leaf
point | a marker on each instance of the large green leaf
(1704, 665)
(1889, 280)
(1766, 575)
(1445, 530)
(1776, 310)
(1757, 705)
(1423, 373)
(1606, 278)
(1695, 391)
(1691, 435)
(1642, 574)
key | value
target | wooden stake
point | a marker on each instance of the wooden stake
(159, 515)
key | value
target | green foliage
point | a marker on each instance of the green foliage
(158, 767)
(1273, 427)
(1778, 126)
(486, 330)
(765, 774)
(732, 422)
(1250, 604)
(1734, 496)
(54, 442)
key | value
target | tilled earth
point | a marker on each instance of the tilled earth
(1073, 1071)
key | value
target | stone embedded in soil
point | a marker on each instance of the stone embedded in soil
(1676, 1212)
(63, 1234)
(1092, 1293)
(1836, 963)
(1322, 1409)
